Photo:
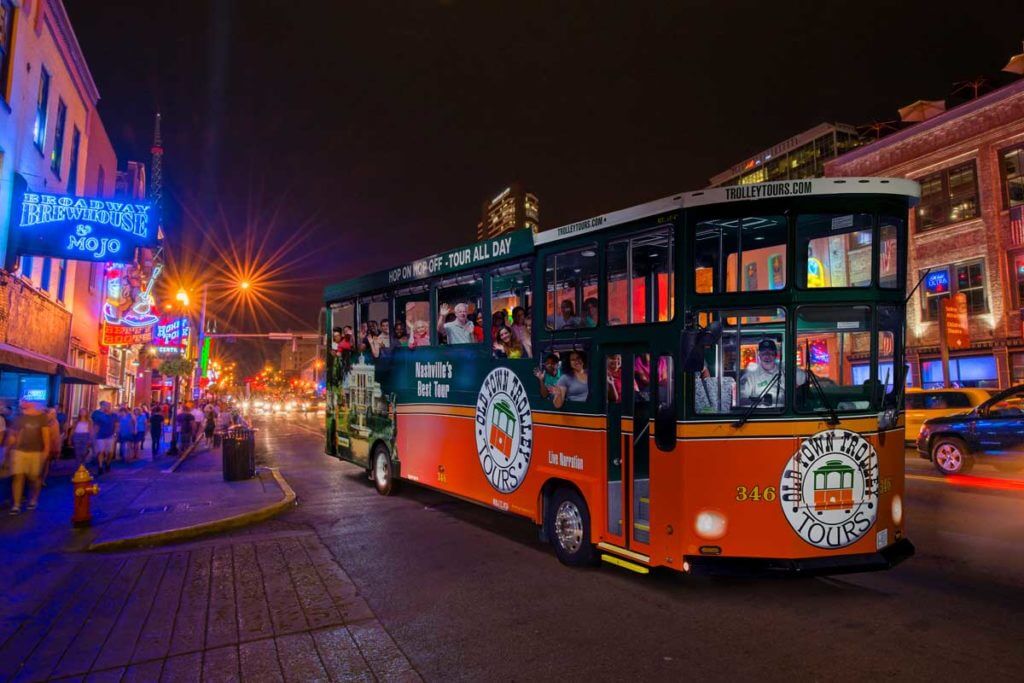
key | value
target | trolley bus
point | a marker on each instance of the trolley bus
(710, 382)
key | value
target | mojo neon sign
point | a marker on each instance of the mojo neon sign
(79, 228)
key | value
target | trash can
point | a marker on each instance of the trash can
(238, 454)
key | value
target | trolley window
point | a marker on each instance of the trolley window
(564, 374)
(412, 317)
(511, 307)
(570, 284)
(640, 280)
(740, 254)
(747, 366)
(459, 314)
(833, 250)
(829, 341)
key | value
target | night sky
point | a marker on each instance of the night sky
(386, 124)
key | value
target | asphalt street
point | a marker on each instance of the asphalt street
(469, 593)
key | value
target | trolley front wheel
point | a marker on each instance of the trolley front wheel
(568, 528)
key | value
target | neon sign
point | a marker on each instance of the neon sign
(77, 228)
(171, 332)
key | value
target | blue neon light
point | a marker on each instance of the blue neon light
(79, 228)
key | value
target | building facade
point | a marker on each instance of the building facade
(48, 124)
(967, 235)
(801, 156)
(513, 208)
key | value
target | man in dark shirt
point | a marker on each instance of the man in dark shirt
(103, 423)
(186, 425)
(156, 428)
(29, 444)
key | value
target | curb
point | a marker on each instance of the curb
(181, 458)
(195, 530)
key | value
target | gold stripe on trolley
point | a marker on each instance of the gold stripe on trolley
(608, 547)
(791, 428)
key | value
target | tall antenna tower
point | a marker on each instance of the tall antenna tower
(156, 164)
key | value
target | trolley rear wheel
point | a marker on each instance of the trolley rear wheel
(381, 472)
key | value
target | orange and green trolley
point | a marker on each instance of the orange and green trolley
(710, 382)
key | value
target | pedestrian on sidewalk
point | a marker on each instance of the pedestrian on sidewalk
(186, 422)
(209, 425)
(53, 425)
(156, 429)
(28, 443)
(125, 433)
(103, 427)
(141, 420)
(197, 421)
(79, 434)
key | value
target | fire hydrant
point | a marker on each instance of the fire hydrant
(84, 490)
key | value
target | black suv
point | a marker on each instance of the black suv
(992, 432)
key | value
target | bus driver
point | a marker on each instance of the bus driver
(759, 375)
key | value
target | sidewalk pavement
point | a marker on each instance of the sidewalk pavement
(138, 504)
(268, 605)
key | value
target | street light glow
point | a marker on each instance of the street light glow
(244, 284)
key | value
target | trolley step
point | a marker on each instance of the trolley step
(625, 564)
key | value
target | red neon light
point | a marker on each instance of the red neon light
(986, 482)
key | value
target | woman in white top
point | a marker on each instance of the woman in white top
(80, 435)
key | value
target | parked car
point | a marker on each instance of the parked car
(992, 432)
(924, 404)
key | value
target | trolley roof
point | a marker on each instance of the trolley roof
(522, 242)
(737, 193)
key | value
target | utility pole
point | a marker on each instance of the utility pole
(202, 340)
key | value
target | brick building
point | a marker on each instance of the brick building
(967, 233)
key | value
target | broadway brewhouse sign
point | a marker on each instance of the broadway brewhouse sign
(77, 228)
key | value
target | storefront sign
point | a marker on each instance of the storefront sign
(955, 312)
(171, 332)
(123, 335)
(937, 281)
(78, 228)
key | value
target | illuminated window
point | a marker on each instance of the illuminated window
(640, 279)
(570, 283)
(1011, 166)
(834, 250)
(740, 254)
(942, 281)
(948, 196)
(42, 101)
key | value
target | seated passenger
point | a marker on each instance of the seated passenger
(572, 385)
(757, 377)
(590, 309)
(459, 330)
(420, 334)
(614, 372)
(568, 318)
(549, 375)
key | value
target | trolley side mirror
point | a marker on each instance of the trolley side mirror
(695, 341)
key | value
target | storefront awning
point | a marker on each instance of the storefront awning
(72, 375)
(13, 358)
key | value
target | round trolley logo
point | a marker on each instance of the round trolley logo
(830, 488)
(504, 430)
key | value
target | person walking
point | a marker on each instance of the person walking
(156, 429)
(103, 427)
(141, 420)
(28, 442)
(79, 434)
(209, 425)
(53, 425)
(186, 421)
(125, 433)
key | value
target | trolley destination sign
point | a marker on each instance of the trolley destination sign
(510, 245)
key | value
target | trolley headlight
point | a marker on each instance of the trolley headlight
(897, 509)
(710, 524)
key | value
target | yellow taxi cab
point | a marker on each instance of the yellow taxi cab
(924, 404)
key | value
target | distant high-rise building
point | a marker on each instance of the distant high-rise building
(512, 209)
(801, 156)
